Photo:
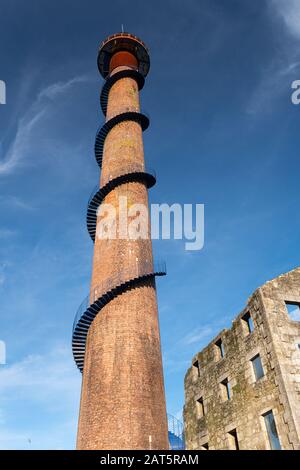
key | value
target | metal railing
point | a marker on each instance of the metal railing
(137, 111)
(135, 272)
(131, 72)
(134, 168)
(176, 433)
(104, 129)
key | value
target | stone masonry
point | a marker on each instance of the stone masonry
(225, 403)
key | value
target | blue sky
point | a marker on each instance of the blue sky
(223, 133)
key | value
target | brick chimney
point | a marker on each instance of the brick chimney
(116, 340)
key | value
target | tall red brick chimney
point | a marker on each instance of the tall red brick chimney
(116, 340)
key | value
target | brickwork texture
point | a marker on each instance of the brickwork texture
(123, 399)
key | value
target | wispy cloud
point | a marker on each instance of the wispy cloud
(47, 384)
(22, 140)
(7, 233)
(41, 376)
(198, 335)
(3, 267)
(289, 10)
(54, 438)
(275, 81)
(15, 202)
(174, 365)
(282, 69)
(28, 123)
(55, 89)
(178, 358)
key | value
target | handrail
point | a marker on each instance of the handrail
(103, 130)
(133, 173)
(176, 429)
(135, 272)
(140, 270)
(112, 79)
(131, 169)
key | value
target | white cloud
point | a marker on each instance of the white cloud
(3, 267)
(173, 365)
(55, 89)
(46, 385)
(6, 233)
(283, 67)
(27, 124)
(12, 440)
(15, 202)
(289, 10)
(22, 140)
(198, 335)
(275, 82)
(41, 376)
(54, 439)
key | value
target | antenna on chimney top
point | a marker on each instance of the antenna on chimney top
(122, 28)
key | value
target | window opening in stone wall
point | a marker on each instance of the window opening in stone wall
(233, 440)
(293, 310)
(196, 368)
(257, 367)
(220, 349)
(248, 323)
(225, 389)
(272, 430)
(200, 407)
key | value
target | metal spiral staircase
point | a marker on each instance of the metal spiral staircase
(175, 433)
(133, 174)
(125, 280)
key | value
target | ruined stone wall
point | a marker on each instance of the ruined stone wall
(275, 338)
(286, 345)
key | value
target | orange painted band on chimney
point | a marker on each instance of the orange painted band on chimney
(123, 58)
